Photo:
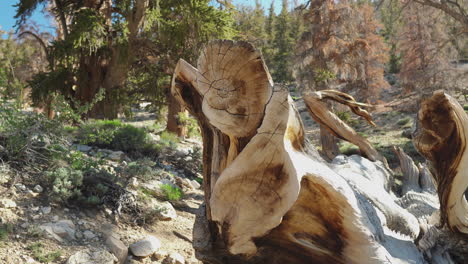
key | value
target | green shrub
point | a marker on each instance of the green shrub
(39, 253)
(29, 138)
(79, 161)
(193, 130)
(99, 132)
(129, 138)
(168, 139)
(5, 230)
(171, 193)
(141, 169)
(404, 121)
(65, 183)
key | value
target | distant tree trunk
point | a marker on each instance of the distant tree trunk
(173, 111)
(329, 144)
(109, 72)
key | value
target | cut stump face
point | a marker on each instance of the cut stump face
(235, 85)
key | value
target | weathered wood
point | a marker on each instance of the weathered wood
(409, 170)
(441, 136)
(327, 119)
(269, 196)
(265, 196)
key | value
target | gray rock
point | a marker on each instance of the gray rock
(116, 155)
(63, 229)
(21, 187)
(195, 184)
(133, 182)
(118, 248)
(78, 235)
(182, 152)
(110, 230)
(7, 203)
(46, 209)
(38, 189)
(92, 256)
(83, 148)
(89, 234)
(154, 137)
(164, 210)
(174, 258)
(145, 247)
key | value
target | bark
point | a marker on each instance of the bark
(441, 137)
(173, 111)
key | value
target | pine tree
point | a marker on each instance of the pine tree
(283, 44)
(427, 50)
(341, 46)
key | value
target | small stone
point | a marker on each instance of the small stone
(195, 184)
(110, 230)
(21, 187)
(116, 155)
(94, 256)
(38, 189)
(160, 254)
(174, 258)
(78, 235)
(46, 209)
(7, 203)
(118, 248)
(145, 247)
(89, 235)
(63, 229)
(55, 218)
(166, 211)
(133, 182)
(83, 148)
(24, 225)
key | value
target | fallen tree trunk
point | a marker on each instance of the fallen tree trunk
(269, 196)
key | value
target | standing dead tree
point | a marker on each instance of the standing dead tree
(269, 196)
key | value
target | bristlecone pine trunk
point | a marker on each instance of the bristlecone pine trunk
(269, 197)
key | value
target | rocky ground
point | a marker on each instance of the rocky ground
(33, 230)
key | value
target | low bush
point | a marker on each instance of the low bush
(65, 183)
(171, 193)
(29, 139)
(129, 138)
(99, 132)
(41, 255)
(168, 139)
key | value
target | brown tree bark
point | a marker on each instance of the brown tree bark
(441, 136)
(173, 111)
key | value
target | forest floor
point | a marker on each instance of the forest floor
(34, 230)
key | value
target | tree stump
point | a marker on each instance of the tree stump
(269, 196)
